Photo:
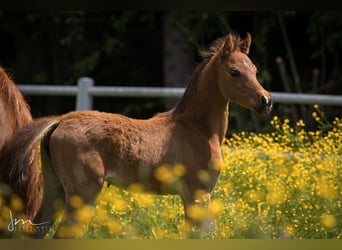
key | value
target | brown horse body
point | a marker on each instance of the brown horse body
(80, 150)
(15, 113)
(13, 109)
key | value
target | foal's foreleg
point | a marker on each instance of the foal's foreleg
(207, 224)
(199, 221)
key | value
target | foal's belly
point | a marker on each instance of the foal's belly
(141, 180)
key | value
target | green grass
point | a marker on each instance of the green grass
(282, 184)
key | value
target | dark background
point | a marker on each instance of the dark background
(156, 48)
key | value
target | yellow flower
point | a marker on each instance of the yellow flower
(164, 174)
(276, 196)
(16, 203)
(203, 176)
(325, 189)
(256, 195)
(120, 206)
(145, 200)
(169, 174)
(328, 221)
(197, 213)
(84, 214)
(114, 226)
(76, 201)
(179, 170)
(5, 212)
(216, 207)
(300, 123)
(136, 188)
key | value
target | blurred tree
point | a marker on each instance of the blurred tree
(142, 48)
(325, 32)
(178, 55)
(121, 48)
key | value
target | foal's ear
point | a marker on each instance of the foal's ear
(228, 46)
(245, 44)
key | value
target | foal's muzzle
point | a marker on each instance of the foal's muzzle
(266, 104)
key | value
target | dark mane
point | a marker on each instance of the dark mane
(215, 47)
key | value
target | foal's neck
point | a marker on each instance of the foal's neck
(203, 103)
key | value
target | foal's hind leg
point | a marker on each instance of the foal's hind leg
(76, 217)
(52, 203)
(53, 198)
(79, 201)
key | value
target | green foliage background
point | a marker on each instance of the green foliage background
(126, 48)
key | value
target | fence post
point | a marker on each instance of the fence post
(84, 101)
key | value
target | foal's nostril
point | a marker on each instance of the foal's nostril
(264, 100)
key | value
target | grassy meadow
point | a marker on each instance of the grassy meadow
(283, 184)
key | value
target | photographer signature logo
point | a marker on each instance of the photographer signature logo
(21, 224)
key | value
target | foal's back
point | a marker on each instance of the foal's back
(90, 147)
(102, 145)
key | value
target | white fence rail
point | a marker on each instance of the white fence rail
(85, 91)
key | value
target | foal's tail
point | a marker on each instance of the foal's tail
(19, 164)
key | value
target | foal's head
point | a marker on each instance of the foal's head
(237, 76)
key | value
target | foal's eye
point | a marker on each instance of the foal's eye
(234, 72)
